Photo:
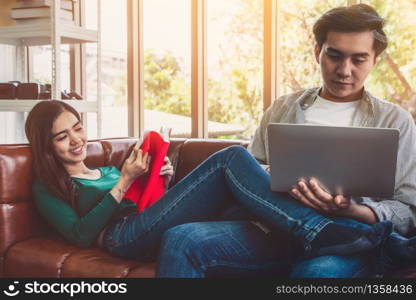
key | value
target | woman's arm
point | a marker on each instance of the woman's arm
(80, 231)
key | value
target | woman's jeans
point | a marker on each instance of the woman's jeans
(227, 177)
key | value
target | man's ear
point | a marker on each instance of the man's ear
(317, 52)
(377, 58)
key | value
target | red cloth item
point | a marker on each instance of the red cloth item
(147, 189)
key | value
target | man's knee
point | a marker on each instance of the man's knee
(331, 267)
(184, 237)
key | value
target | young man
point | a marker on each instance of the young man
(348, 42)
(347, 49)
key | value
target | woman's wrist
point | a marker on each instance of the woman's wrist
(120, 189)
(125, 181)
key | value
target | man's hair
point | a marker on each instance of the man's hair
(354, 18)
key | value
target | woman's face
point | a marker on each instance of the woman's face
(69, 140)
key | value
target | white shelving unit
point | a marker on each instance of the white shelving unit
(41, 34)
(53, 33)
(14, 105)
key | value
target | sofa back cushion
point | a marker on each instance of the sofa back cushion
(195, 151)
(17, 217)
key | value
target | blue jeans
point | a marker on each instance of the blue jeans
(227, 177)
(241, 249)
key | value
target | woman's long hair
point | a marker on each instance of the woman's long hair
(47, 166)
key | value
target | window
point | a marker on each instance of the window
(167, 65)
(113, 68)
(235, 67)
(11, 123)
(299, 69)
(41, 65)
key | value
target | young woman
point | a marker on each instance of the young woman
(86, 205)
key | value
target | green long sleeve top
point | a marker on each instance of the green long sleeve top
(97, 207)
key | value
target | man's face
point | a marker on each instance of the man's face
(346, 59)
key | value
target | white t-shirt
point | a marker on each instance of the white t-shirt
(330, 113)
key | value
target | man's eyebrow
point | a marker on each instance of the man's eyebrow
(330, 49)
(339, 52)
(361, 54)
(66, 130)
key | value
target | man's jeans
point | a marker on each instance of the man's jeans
(241, 249)
(227, 177)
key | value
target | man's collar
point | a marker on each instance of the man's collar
(369, 100)
(309, 96)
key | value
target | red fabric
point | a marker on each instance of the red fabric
(146, 190)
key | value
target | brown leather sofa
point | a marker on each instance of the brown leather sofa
(30, 248)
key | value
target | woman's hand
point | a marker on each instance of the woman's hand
(136, 165)
(167, 170)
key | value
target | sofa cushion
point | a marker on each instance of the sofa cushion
(37, 257)
(94, 262)
(19, 221)
(95, 154)
(116, 151)
(16, 173)
(53, 257)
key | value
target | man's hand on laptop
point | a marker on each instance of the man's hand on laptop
(311, 194)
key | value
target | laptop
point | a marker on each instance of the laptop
(351, 161)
